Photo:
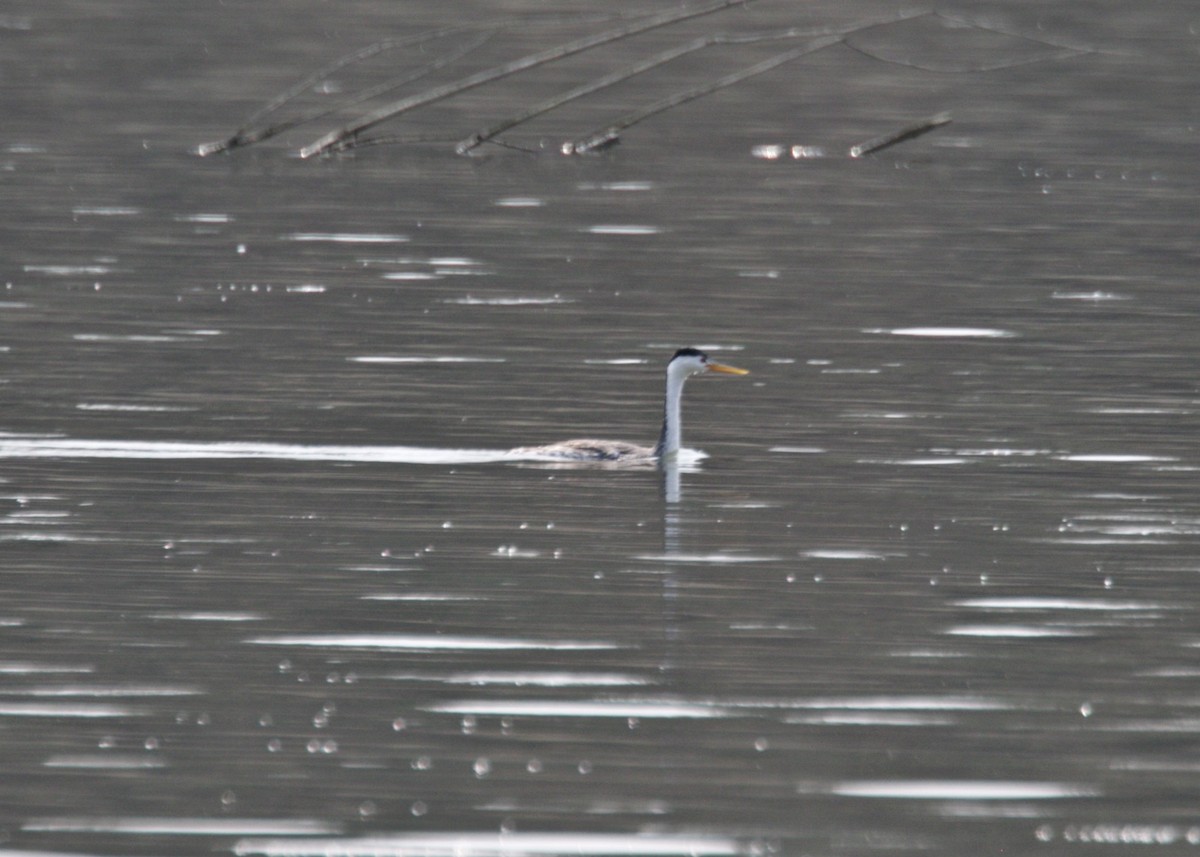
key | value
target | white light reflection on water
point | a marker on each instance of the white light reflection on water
(520, 202)
(509, 301)
(500, 845)
(102, 691)
(621, 708)
(431, 642)
(210, 616)
(870, 718)
(385, 358)
(346, 237)
(547, 679)
(848, 554)
(1040, 603)
(149, 826)
(60, 447)
(946, 332)
(1024, 632)
(717, 558)
(115, 406)
(83, 710)
(1115, 458)
(623, 229)
(960, 790)
(33, 668)
(908, 703)
(105, 762)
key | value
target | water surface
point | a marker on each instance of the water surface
(272, 583)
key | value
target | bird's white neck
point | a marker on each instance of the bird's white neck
(671, 437)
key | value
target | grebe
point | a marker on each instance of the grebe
(686, 363)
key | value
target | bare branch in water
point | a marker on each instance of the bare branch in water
(908, 132)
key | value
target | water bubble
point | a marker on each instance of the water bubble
(228, 798)
(266, 720)
(150, 743)
(422, 763)
(367, 808)
(482, 767)
(761, 744)
(469, 724)
(534, 766)
(399, 724)
(419, 808)
(274, 745)
(584, 767)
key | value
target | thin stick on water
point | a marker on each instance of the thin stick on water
(611, 134)
(343, 137)
(908, 132)
(246, 134)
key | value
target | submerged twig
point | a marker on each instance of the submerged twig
(908, 132)
(343, 137)
(610, 134)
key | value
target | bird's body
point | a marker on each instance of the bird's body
(685, 363)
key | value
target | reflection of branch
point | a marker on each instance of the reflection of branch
(348, 137)
(246, 134)
(343, 137)
(610, 134)
(1063, 53)
(991, 28)
(487, 134)
(1062, 50)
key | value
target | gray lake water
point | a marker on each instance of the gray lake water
(270, 585)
